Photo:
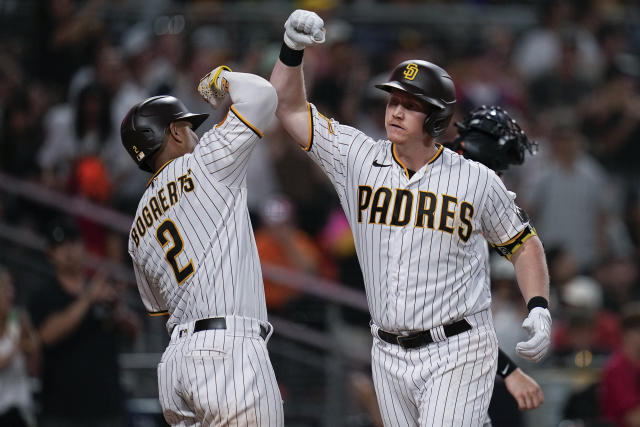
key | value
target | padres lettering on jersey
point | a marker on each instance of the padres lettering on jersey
(418, 238)
(424, 211)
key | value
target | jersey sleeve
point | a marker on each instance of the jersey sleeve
(225, 149)
(152, 302)
(328, 146)
(502, 221)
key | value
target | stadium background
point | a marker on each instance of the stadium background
(567, 71)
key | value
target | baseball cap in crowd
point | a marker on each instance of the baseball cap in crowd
(61, 230)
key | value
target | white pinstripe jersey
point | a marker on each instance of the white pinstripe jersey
(420, 240)
(192, 244)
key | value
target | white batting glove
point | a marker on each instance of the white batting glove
(303, 28)
(214, 86)
(538, 325)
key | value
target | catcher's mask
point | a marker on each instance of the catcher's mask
(144, 127)
(490, 136)
(429, 83)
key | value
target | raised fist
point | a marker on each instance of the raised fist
(214, 86)
(303, 28)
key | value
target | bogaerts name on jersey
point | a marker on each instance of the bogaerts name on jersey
(164, 199)
(427, 207)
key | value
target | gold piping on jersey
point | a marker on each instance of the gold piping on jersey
(394, 154)
(397, 159)
(310, 140)
(158, 313)
(246, 122)
(158, 171)
(435, 157)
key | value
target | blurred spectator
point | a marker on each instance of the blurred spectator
(611, 118)
(336, 89)
(21, 137)
(208, 46)
(540, 49)
(19, 354)
(619, 277)
(567, 200)
(281, 243)
(80, 320)
(486, 76)
(74, 131)
(563, 85)
(67, 33)
(619, 382)
(584, 325)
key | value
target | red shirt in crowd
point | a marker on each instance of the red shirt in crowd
(619, 388)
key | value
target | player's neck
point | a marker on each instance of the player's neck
(415, 156)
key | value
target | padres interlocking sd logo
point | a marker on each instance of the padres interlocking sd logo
(411, 71)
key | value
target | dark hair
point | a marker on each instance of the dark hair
(99, 92)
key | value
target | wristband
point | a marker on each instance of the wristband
(505, 365)
(537, 302)
(290, 57)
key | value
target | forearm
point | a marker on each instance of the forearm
(531, 269)
(292, 109)
(59, 325)
(289, 84)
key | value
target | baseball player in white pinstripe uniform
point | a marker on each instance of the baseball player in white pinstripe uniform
(195, 256)
(420, 215)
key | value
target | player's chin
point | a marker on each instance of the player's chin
(396, 135)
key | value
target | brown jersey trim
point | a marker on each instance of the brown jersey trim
(158, 313)
(246, 122)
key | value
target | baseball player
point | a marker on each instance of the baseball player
(490, 136)
(195, 257)
(420, 215)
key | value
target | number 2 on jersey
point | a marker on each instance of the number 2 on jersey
(168, 227)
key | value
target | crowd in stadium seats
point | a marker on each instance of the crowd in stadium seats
(571, 81)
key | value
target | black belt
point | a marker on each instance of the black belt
(423, 338)
(221, 323)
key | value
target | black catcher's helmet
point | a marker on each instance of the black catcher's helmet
(429, 83)
(144, 127)
(490, 136)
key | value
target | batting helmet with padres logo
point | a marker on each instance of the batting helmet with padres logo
(144, 128)
(429, 83)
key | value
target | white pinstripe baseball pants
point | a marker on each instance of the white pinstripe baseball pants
(444, 384)
(219, 377)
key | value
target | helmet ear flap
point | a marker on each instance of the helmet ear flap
(436, 123)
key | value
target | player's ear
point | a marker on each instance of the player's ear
(174, 131)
